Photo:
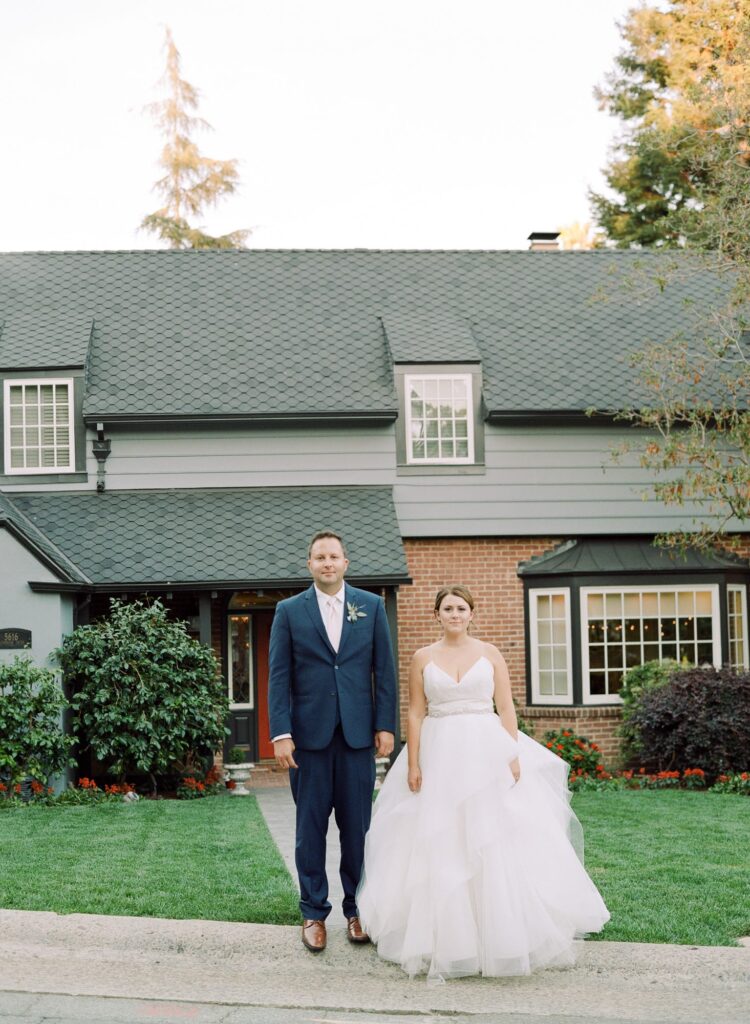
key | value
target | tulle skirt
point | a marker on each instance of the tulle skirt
(476, 874)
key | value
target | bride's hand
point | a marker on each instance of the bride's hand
(515, 768)
(415, 779)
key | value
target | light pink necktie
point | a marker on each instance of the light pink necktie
(332, 624)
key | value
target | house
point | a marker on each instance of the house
(179, 423)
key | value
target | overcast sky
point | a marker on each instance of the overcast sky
(367, 123)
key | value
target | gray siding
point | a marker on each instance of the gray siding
(48, 616)
(537, 480)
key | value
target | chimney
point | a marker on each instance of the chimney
(544, 241)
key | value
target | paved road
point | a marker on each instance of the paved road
(18, 1008)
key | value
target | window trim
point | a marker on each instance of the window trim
(25, 471)
(591, 700)
(467, 379)
(246, 706)
(742, 589)
(538, 698)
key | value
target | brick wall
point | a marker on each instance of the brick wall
(488, 567)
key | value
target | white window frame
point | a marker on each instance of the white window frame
(13, 382)
(249, 705)
(742, 589)
(466, 378)
(614, 698)
(536, 696)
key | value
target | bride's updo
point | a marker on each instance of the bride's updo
(455, 590)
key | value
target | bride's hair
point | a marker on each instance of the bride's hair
(456, 590)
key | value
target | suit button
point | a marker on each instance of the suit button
(333, 694)
(336, 667)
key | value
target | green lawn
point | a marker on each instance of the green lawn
(211, 859)
(672, 866)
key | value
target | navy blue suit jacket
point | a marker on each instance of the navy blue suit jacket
(309, 681)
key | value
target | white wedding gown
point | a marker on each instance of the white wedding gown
(475, 874)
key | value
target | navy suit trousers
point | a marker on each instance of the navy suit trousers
(339, 779)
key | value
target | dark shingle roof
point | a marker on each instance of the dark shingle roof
(13, 519)
(252, 535)
(619, 555)
(425, 338)
(273, 333)
(43, 339)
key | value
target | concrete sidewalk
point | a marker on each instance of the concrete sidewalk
(213, 963)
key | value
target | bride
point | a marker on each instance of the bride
(473, 861)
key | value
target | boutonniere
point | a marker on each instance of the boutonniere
(354, 612)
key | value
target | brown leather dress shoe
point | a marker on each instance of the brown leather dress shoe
(314, 935)
(354, 931)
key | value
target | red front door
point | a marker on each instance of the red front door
(263, 622)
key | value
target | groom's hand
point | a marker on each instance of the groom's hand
(384, 743)
(283, 751)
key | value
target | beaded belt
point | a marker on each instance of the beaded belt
(445, 711)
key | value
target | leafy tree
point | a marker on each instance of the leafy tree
(147, 697)
(192, 182)
(680, 87)
(577, 236)
(32, 743)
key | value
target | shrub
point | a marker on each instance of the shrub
(192, 787)
(738, 782)
(699, 719)
(147, 697)
(637, 680)
(583, 757)
(32, 742)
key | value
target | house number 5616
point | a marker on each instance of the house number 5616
(13, 638)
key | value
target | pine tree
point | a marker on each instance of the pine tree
(681, 87)
(192, 182)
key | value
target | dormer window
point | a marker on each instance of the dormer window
(440, 419)
(38, 426)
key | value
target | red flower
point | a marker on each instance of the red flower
(231, 784)
(550, 744)
(3, 788)
(36, 788)
(560, 746)
(566, 732)
(641, 771)
(17, 788)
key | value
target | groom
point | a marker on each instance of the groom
(332, 698)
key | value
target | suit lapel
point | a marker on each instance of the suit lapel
(313, 610)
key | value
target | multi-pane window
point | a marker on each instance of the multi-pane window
(737, 623)
(624, 627)
(440, 425)
(38, 426)
(240, 668)
(551, 670)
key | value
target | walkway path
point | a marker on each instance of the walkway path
(278, 809)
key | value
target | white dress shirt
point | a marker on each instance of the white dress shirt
(333, 620)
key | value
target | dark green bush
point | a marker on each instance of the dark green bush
(147, 698)
(647, 676)
(699, 719)
(32, 743)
